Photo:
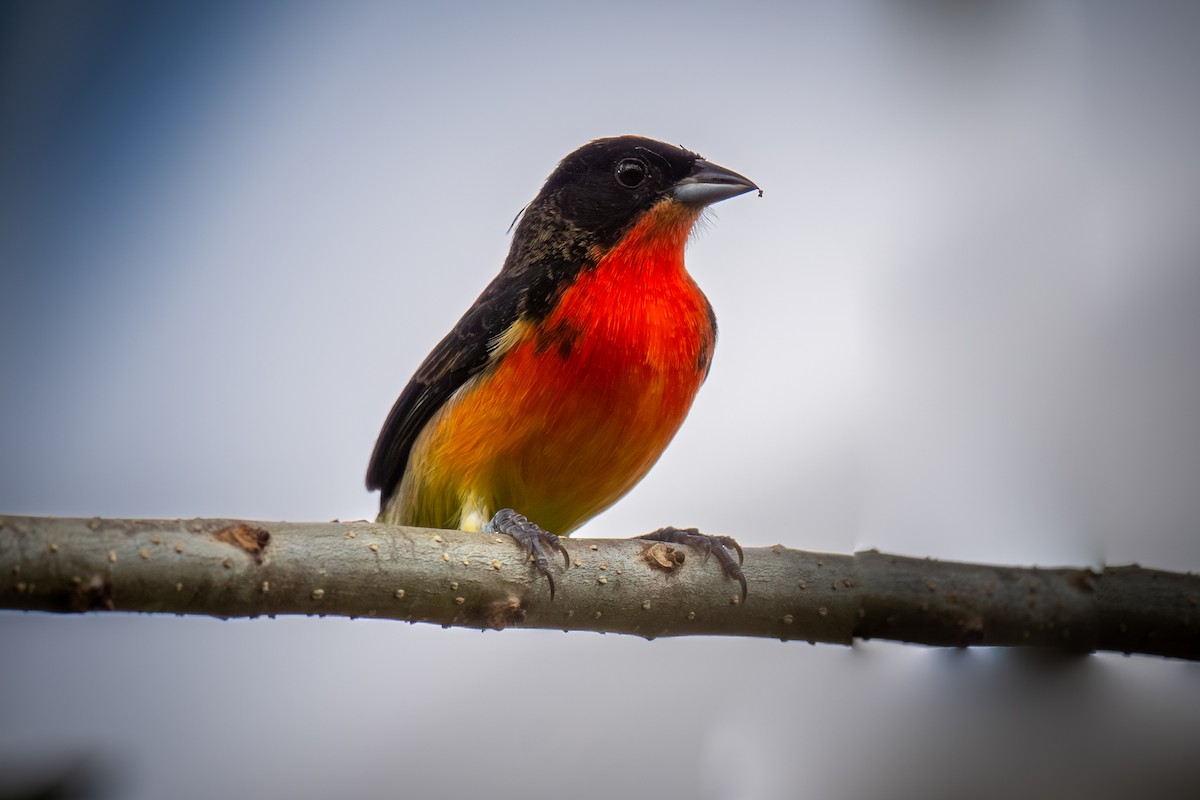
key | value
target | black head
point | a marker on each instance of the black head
(591, 200)
(604, 186)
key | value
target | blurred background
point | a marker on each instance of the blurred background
(963, 322)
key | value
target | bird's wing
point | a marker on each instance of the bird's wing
(465, 352)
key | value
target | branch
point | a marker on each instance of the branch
(233, 568)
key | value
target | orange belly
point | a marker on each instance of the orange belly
(582, 404)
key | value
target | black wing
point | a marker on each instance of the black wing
(464, 353)
(546, 256)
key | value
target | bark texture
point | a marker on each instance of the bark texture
(238, 568)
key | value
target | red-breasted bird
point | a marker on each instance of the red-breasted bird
(569, 375)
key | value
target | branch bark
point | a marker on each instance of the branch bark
(235, 568)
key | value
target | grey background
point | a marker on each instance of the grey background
(963, 322)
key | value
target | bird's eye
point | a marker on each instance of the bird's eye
(631, 172)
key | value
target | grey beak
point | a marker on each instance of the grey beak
(709, 183)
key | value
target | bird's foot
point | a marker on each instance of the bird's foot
(536, 542)
(723, 547)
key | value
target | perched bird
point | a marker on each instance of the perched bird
(569, 375)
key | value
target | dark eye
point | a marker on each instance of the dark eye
(631, 172)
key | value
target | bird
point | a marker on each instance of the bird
(566, 379)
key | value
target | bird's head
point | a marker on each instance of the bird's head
(607, 186)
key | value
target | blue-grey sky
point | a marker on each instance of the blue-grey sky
(961, 322)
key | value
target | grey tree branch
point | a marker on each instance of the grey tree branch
(235, 568)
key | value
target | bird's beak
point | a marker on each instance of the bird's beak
(708, 184)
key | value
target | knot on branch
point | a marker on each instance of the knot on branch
(499, 614)
(663, 556)
(249, 538)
